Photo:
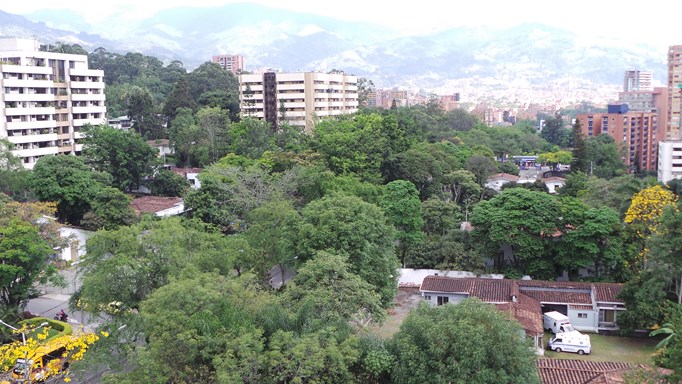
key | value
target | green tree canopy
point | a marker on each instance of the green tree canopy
(348, 226)
(470, 342)
(403, 210)
(67, 181)
(110, 210)
(525, 220)
(126, 156)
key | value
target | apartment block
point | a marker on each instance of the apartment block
(232, 63)
(669, 160)
(45, 99)
(674, 126)
(298, 99)
(635, 132)
(636, 80)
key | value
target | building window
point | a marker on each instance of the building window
(427, 297)
(582, 315)
(443, 300)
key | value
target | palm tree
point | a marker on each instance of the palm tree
(668, 329)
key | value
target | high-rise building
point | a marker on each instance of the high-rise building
(636, 80)
(635, 132)
(298, 99)
(674, 92)
(45, 99)
(232, 63)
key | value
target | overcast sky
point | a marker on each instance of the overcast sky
(658, 22)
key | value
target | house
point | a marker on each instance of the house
(498, 180)
(75, 243)
(592, 307)
(158, 205)
(190, 174)
(161, 145)
(503, 293)
(553, 183)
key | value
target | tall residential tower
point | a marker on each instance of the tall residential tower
(298, 99)
(45, 99)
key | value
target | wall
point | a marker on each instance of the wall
(583, 324)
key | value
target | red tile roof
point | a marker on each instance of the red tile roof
(185, 171)
(544, 296)
(153, 204)
(608, 292)
(569, 371)
(488, 290)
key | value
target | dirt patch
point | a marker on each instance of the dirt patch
(405, 300)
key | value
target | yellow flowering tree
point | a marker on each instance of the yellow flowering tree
(36, 345)
(644, 216)
(647, 207)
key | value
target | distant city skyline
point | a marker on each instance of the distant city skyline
(592, 19)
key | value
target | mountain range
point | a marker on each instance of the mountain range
(526, 55)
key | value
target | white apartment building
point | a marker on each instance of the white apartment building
(669, 160)
(298, 99)
(45, 99)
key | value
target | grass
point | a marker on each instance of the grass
(633, 350)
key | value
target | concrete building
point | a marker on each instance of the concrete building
(232, 63)
(674, 126)
(669, 160)
(635, 132)
(298, 99)
(636, 80)
(45, 99)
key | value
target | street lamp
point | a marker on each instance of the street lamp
(27, 372)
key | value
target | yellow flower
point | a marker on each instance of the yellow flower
(67, 379)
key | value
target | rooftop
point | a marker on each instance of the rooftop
(154, 204)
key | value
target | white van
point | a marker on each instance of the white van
(557, 322)
(570, 342)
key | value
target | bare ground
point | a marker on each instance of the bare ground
(404, 301)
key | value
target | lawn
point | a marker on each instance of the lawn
(633, 350)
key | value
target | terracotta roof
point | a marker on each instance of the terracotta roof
(489, 290)
(526, 311)
(158, 143)
(545, 296)
(608, 292)
(153, 204)
(185, 171)
(569, 371)
(553, 178)
(504, 176)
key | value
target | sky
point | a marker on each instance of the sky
(654, 21)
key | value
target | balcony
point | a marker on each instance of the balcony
(37, 124)
(27, 83)
(16, 139)
(29, 97)
(36, 151)
(90, 109)
(9, 68)
(29, 111)
(86, 84)
(88, 96)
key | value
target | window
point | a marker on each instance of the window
(427, 297)
(582, 315)
(443, 300)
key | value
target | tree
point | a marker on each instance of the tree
(210, 77)
(14, 179)
(470, 342)
(142, 113)
(167, 183)
(228, 193)
(126, 265)
(251, 138)
(272, 235)
(213, 127)
(580, 161)
(525, 220)
(325, 283)
(604, 158)
(124, 155)
(178, 98)
(460, 185)
(555, 158)
(110, 210)
(24, 258)
(554, 132)
(67, 181)
(665, 247)
(482, 167)
(348, 226)
(403, 210)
